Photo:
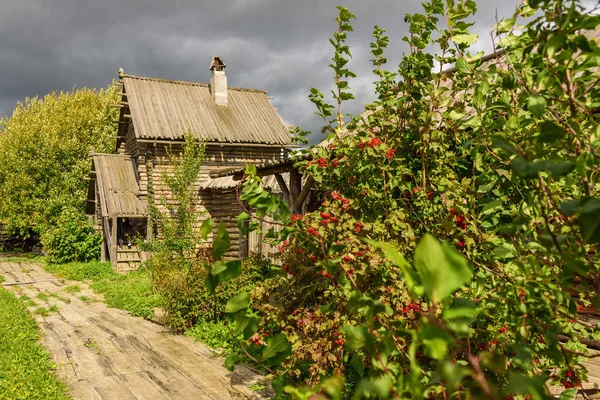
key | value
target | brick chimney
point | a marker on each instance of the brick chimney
(218, 81)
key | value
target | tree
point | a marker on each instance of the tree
(460, 229)
(44, 158)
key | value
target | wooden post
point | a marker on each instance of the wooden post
(103, 245)
(113, 243)
(295, 189)
(304, 193)
(284, 188)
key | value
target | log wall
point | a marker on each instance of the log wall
(153, 163)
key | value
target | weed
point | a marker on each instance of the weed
(27, 301)
(72, 289)
(59, 297)
(132, 292)
(213, 334)
(43, 311)
(257, 387)
(91, 343)
(53, 308)
(78, 271)
(42, 296)
(26, 366)
(84, 299)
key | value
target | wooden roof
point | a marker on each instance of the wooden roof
(118, 188)
(230, 182)
(162, 109)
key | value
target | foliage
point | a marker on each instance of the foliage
(188, 301)
(213, 334)
(25, 367)
(72, 238)
(458, 236)
(44, 159)
(132, 292)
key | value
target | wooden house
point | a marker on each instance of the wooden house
(237, 125)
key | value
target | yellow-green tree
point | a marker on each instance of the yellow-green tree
(44, 159)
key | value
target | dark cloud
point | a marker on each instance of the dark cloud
(277, 45)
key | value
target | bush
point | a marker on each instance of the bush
(458, 237)
(72, 238)
(186, 300)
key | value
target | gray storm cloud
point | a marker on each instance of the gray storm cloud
(277, 45)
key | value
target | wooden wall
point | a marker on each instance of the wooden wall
(220, 204)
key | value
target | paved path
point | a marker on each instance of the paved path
(105, 353)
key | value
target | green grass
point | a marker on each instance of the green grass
(42, 296)
(24, 258)
(27, 301)
(131, 292)
(25, 367)
(72, 289)
(80, 271)
(44, 312)
(85, 299)
(213, 334)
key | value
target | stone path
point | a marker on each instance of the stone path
(105, 353)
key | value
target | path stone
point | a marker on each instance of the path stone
(104, 353)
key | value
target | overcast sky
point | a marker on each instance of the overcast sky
(277, 45)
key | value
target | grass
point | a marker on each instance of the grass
(213, 334)
(77, 271)
(72, 289)
(44, 312)
(131, 292)
(42, 296)
(27, 301)
(85, 299)
(25, 367)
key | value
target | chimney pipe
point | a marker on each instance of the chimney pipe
(218, 81)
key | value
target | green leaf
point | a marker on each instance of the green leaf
(461, 308)
(435, 341)
(232, 270)
(237, 302)
(356, 336)
(463, 66)
(441, 268)
(589, 219)
(231, 360)
(357, 364)
(505, 25)
(467, 40)
(277, 349)
(525, 385)
(569, 394)
(379, 387)
(241, 222)
(206, 228)
(221, 243)
(210, 282)
(550, 132)
(244, 323)
(536, 105)
(397, 259)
